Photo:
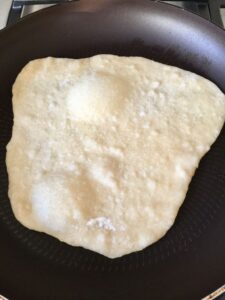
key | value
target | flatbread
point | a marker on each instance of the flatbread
(103, 149)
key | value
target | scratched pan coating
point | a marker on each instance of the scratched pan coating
(188, 262)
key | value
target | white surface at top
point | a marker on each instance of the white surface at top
(222, 11)
(4, 7)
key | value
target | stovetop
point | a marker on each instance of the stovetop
(12, 10)
(214, 10)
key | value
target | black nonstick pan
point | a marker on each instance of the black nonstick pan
(189, 262)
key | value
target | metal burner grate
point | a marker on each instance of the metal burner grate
(209, 9)
(19, 6)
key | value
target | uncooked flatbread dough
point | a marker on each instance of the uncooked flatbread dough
(103, 148)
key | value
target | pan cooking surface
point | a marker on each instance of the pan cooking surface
(189, 261)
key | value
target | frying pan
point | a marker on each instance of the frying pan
(189, 262)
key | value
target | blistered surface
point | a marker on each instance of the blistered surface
(103, 149)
